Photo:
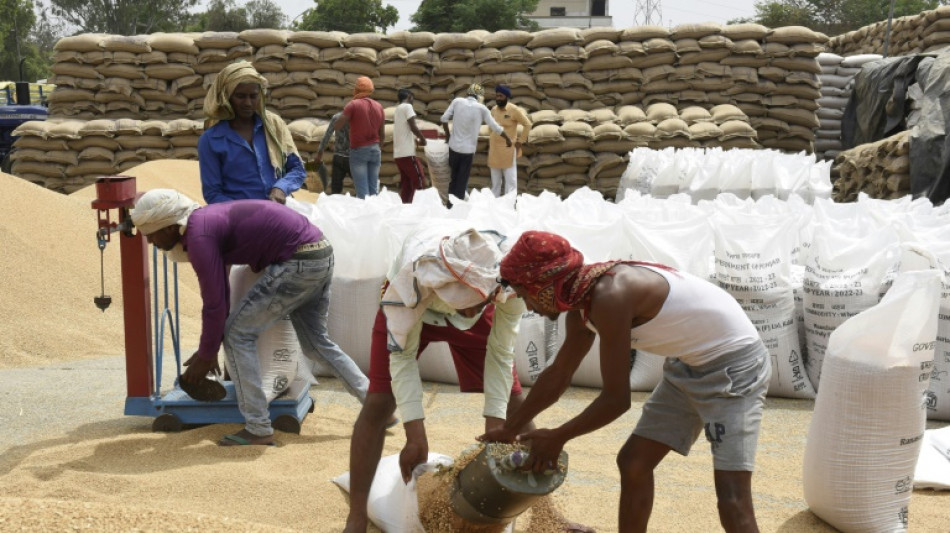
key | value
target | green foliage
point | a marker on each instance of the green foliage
(351, 16)
(18, 43)
(222, 15)
(264, 14)
(441, 16)
(124, 17)
(834, 17)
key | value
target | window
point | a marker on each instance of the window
(598, 8)
(558, 11)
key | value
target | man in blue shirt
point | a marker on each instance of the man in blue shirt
(246, 152)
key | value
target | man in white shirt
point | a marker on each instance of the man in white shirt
(405, 134)
(467, 116)
(440, 288)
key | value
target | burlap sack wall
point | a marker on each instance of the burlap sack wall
(881, 169)
(926, 32)
(771, 76)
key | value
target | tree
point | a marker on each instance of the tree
(46, 31)
(264, 14)
(834, 17)
(351, 16)
(17, 20)
(222, 15)
(463, 15)
(124, 17)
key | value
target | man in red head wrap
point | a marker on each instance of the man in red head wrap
(714, 380)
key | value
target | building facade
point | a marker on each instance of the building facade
(572, 13)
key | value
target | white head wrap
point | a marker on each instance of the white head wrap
(160, 208)
(460, 270)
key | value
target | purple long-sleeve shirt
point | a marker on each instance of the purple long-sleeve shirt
(256, 233)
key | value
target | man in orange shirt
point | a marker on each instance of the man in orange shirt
(502, 157)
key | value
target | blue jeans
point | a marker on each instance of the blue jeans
(301, 289)
(364, 167)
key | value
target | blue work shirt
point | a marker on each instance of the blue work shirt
(231, 170)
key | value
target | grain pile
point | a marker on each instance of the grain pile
(880, 169)
(925, 32)
(49, 247)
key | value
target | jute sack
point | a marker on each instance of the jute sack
(598, 33)
(644, 33)
(640, 131)
(136, 44)
(217, 39)
(503, 38)
(173, 42)
(554, 37)
(745, 31)
(84, 42)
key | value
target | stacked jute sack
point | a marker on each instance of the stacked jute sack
(67, 155)
(881, 169)
(567, 150)
(925, 32)
(770, 74)
(570, 149)
(837, 82)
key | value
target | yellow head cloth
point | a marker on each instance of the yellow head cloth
(217, 107)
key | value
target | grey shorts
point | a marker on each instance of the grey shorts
(723, 398)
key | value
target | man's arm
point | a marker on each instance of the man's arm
(500, 359)
(446, 117)
(407, 389)
(327, 135)
(415, 130)
(209, 168)
(343, 120)
(555, 379)
(293, 178)
(406, 381)
(525, 122)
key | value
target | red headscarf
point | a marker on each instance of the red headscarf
(553, 272)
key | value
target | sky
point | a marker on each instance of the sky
(674, 11)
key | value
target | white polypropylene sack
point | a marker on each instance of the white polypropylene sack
(393, 506)
(843, 277)
(532, 353)
(755, 268)
(933, 466)
(277, 346)
(865, 435)
(353, 307)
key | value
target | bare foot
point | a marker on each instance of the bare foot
(354, 525)
(246, 438)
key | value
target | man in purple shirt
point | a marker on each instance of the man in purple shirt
(298, 265)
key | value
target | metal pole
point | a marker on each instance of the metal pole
(887, 36)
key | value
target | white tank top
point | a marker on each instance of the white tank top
(698, 322)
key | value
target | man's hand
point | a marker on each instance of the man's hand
(318, 158)
(497, 433)
(198, 368)
(416, 450)
(278, 196)
(421, 141)
(508, 141)
(546, 447)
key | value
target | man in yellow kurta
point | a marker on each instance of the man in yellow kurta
(503, 159)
